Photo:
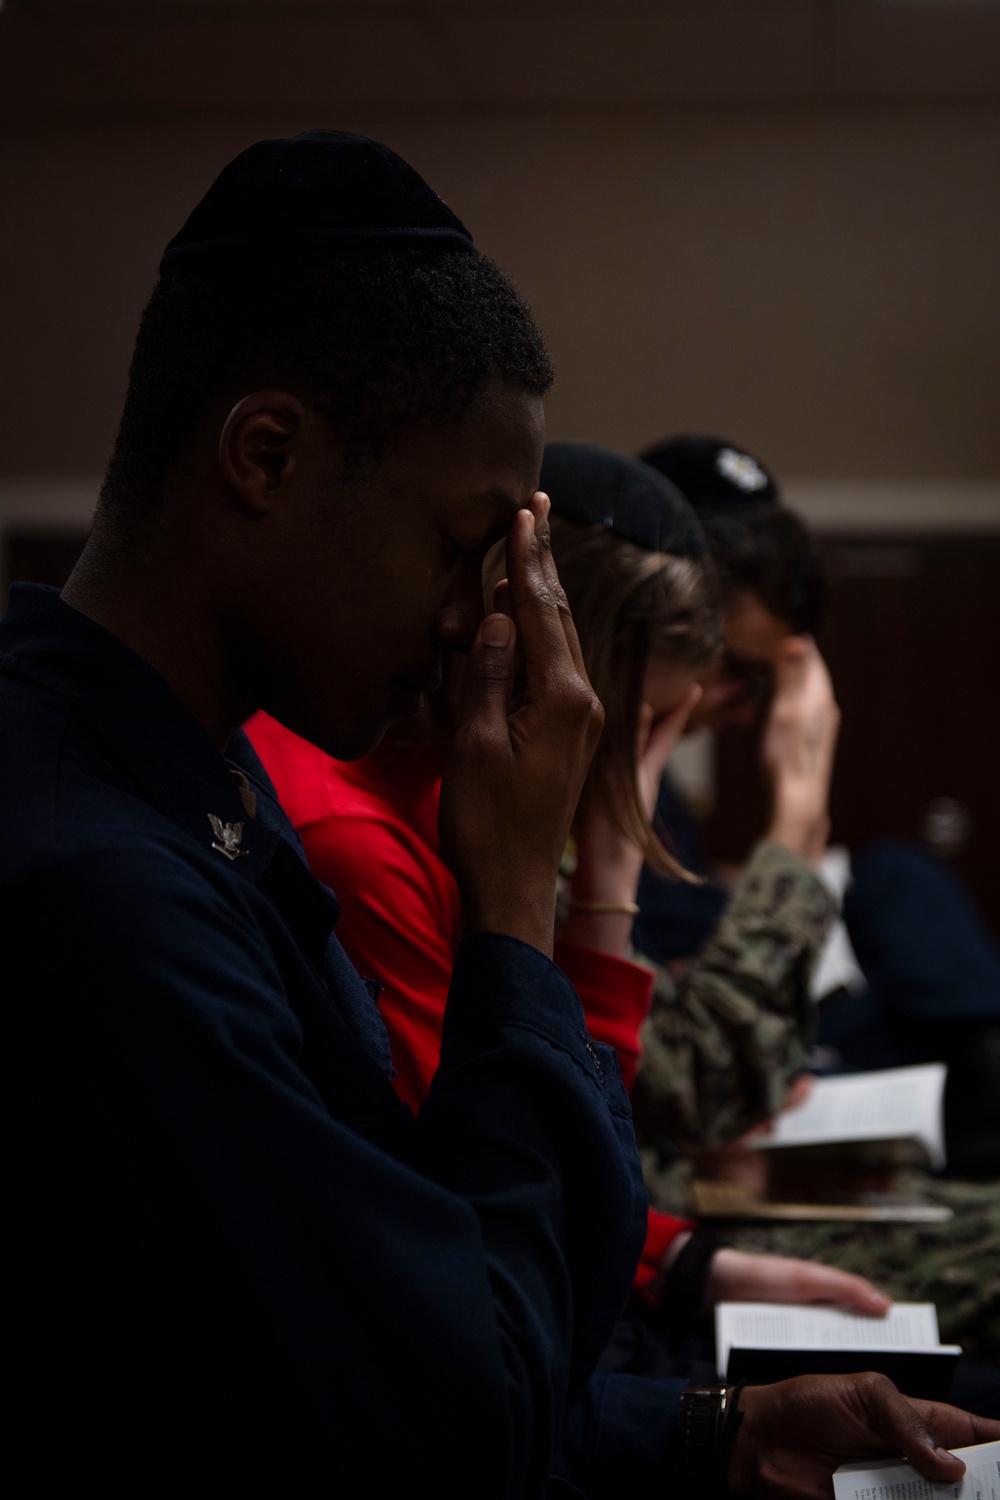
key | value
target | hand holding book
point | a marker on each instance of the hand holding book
(795, 1433)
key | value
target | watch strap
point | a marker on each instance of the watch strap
(708, 1420)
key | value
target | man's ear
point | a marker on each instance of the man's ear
(258, 447)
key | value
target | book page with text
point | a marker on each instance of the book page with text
(776, 1325)
(895, 1480)
(888, 1104)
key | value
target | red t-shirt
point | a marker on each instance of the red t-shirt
(371, 835)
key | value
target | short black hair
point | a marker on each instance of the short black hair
(768, 551)
(377, 338)
(757, 545)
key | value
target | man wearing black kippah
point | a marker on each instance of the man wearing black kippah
(240, 1263)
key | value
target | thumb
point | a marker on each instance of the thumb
(489, 673)
(916, 1429)
(916, 1439)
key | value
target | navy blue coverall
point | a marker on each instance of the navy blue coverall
(239, 1260)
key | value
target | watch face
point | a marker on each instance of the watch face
(702, 1396)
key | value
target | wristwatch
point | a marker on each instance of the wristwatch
(703, 1458)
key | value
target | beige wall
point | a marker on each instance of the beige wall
(819, 280)
(820, 284)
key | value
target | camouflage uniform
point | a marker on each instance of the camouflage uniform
(955, 1265)
(719, 1050)
(722, 1043)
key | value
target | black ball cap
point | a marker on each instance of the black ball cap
(596, 487)
(713, 474)
(325, 188)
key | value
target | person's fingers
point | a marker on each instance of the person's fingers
(540, 507)
(668, 730)
(796, 1431)
(501, 598)
(793, 652)
(799, 1091)
(643, 730)
(656, 742)
(791, 669)
(533, 605)
(905, 1429)
(953, 1428)
(544, 537)
(797, 663)
(796, 647)
(489, 674)
(740, 1276)
(665, 734)
(840, 1289)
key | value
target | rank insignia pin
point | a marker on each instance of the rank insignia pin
(228, 837)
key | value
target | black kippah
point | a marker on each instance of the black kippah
(714, 475)
(326, 188)
(595, 487)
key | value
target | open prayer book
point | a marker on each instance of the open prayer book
(838, 1155)
(890, 1104)
(765, 1341)
(893, 1479)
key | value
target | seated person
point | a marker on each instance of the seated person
(929, 982)
(761, 950)
(631, 559)
(236, 1254)
(921, 944)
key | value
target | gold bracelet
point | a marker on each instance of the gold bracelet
(625, 908)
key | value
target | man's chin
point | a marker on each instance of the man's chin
(356, 743)
(352, 738)
(341, 741)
